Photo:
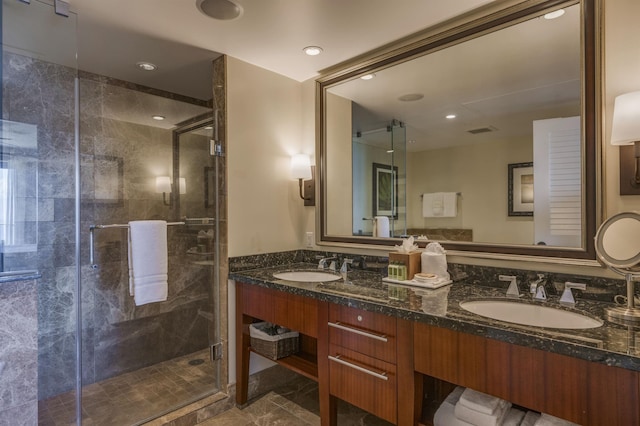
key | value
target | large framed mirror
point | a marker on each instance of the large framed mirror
(481, 133)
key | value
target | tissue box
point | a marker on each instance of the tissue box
(410, 260)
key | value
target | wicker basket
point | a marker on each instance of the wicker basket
(270, 345)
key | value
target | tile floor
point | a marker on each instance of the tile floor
(133, 397)
(294, 404)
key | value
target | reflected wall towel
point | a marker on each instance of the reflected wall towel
(148, 261)
(440, 204)
(381, 226)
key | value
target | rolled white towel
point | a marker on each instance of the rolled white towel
(548, 420)
(479, 419)
(513, 418)
(480, 402)
(530, 418)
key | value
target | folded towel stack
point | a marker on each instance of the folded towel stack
(465, 407)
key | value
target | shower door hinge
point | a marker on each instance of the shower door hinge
(61, 8)
(216, 149)
(216, 351)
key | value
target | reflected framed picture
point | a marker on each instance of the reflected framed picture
(520, 191)
(385, 190)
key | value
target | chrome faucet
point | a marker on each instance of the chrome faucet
(537, 288)
(512, 291)
(567, 295)
(344, 268)
(323, 263)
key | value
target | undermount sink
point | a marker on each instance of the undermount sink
(307, 276)
(528, 314)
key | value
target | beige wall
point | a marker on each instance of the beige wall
(479, 173)
(265, 211)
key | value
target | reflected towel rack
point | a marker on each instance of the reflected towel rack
(186, 221)
(457, 193)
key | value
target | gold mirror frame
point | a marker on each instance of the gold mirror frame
(468, 26)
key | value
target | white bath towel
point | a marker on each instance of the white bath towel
(148, 261)
(440, 204)
(548, 420)
(480, 402)
(381, 226)
(471, 416)
(445, 416)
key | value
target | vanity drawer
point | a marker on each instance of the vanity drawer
(363, 381)
(366, 332)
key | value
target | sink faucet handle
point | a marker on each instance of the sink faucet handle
(345, 262)
(567, 295)
(513, 290)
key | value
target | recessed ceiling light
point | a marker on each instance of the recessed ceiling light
(412, 141)
(222, 10)
(555, 14)
(312, 50)
(209, 128)
(146, 66)
(450, 116)
(411, 97)
(390, 151)
(368, 76)
(158, 117)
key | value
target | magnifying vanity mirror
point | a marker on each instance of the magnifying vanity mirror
(481, 134)
(618, 247)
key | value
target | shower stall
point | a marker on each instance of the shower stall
(81, 157)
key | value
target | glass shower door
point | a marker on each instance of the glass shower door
(39, 202)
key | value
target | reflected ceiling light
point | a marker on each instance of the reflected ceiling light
(411, 97)
(368, 76)
(158, 117)
(209, 128)
(222, 10)
(147, 66)
(312, 50)
(411, 141)
(450, 116)
(390, 151)
(555, 14)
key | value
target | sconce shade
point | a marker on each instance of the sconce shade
(626, 119)
(182, 182)
(163, 184)
(301, 167)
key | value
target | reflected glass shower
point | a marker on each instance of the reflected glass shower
(379, 165)
(81, 152)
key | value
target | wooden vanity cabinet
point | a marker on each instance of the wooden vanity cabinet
(580, 391)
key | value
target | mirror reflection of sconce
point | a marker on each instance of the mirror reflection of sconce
(164, 186)
(626, 131)
(302, 170)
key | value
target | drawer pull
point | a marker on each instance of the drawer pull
(382, 338)
(339, 360)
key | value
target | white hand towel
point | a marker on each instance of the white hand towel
(480, 402)
(148, 261)
(471, 416)
(548, 420)
(450, 204)
(440, 204)
(445, 416)
(381, 226)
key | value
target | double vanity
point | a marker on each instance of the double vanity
(396, 351)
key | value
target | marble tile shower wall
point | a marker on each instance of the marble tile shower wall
(117, 336)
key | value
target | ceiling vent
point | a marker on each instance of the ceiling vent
(482, 130)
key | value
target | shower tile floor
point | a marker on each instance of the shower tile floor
(133, 397)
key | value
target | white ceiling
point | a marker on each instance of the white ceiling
(113, 35)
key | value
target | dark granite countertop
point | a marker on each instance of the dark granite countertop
(611, 344)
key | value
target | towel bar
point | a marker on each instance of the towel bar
(457, 193)
(186, 221)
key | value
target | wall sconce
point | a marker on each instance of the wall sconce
(302, 170)
(626, 133)
(164, 185)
